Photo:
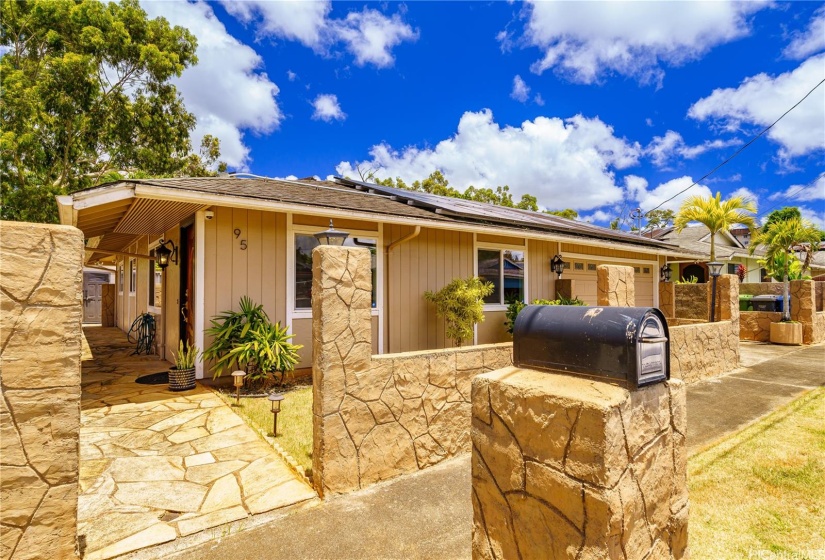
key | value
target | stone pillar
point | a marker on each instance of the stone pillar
(615, 285)
(667, 299)
(41, 276)
(341, 348)
(565, 467)
(727, 297)
(107, 305)
(564, 288)
(803, 307)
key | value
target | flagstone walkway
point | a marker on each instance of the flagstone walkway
(156, 465)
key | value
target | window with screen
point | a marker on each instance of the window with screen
(132, 276)
(504, 268)
(120, 278)
(304, 244)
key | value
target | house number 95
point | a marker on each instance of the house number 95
(242, 242)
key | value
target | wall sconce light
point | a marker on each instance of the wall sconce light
(163, 254)
(237, 378)
(275, 407)
(331, 236)
(665, 273)
(557, 265)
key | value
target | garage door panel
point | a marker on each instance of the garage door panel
(583, 274)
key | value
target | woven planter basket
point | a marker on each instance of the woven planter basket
(181, 379)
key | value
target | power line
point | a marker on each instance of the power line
(751, 141)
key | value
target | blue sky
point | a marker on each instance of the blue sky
(600, 107)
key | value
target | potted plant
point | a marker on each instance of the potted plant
(182, 374)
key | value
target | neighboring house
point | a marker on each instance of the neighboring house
(239, 236)
(94, 278)
(730, 249)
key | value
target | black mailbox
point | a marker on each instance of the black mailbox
(628, 345)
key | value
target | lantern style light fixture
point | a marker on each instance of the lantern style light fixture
(715, 270)
(557, 265)
(163, 254)
(665, 273)
(331, 236)
(275, 406)
(237, 378)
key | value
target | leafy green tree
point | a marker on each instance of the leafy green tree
(716, 215)
(785, 237)
(461, 304)
(659, 218)
(437, 184)
(568, 213)
(87, 93)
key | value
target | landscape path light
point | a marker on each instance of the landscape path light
(275, 406)
(331, 236)
(237, 378)
(715, 272)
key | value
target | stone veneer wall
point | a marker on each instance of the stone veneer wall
(376, 417)
(756, 325)
(40, 336)
(667, 300)
(564, 467)
(803, 309)
(761, 288)
(615, 286)
(819, 289)
(692, 301)
(107, 305)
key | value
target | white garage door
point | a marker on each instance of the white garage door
(583, 274)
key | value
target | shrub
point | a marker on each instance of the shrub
(461, 304)
(515, 307)
(186, 356)
(249, 340)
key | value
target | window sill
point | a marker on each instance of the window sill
(495, 307)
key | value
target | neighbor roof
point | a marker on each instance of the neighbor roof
(696, 239)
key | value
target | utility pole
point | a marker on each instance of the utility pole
(637, 215)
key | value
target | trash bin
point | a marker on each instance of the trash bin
(768, 302)
(745, 303)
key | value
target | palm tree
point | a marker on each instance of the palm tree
(782, 239)
(716, 215)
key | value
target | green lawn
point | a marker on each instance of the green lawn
(761, 493)
(294, 421)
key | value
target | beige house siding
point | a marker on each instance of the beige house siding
(541, 281)
(427, 262)
(171, 301)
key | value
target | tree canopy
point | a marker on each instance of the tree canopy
(437, 184)
(568, 213)
(716, 215)
(87, 96)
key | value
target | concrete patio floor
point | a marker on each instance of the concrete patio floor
(156, 465)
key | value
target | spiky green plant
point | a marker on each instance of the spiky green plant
(186, 356)
(230, 328)
(716, 215)
(461, 304)
(781, 239)
(265, 350)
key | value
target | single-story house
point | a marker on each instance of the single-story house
(254, 236)
(730, 249)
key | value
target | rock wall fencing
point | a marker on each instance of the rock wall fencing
(564, 467)
(377, 417)
(803, 309)
(40, 343)
(615, 286)
(761, 288)
(819, 293)
(107, 305)
(756, 325)
(692, 301)
(702, 351)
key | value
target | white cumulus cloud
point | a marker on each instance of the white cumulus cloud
(565, 163)
(521, 91)
(585, 41)
(761, 99)
(816, 216)
(226, 69)
(327, 108)
(811, 40)
(663, 149)
(815, 190)
(368, 35)
(649, 199)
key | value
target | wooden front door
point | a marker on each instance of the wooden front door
(187, 284)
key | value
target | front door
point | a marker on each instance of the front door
(187, 283)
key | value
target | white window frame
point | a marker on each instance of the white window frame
(293, 313)
(132, 277)
(121, 273)
(483, 245)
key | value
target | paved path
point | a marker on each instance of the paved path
(429, 514)
(156, 465)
